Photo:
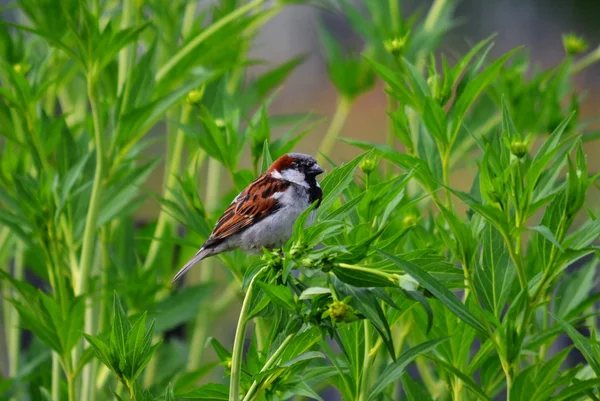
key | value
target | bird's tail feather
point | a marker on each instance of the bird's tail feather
(201, 254)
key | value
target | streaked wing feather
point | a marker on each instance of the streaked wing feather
(253, 204)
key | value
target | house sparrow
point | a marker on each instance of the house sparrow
(263, 214)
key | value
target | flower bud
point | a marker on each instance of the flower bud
(194, 96)
(574, 44)
(395, 46)
(368, 164)
(220, 123)
(410, 220)
(519, 149)
(340, 311)
(297, 250)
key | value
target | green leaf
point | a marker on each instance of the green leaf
(266, 157)
(395, 370)
(577, 389)
(363, 277)
(472, 91)
(469, 383)
(312, 292)
(508, 126)
(434, 118)
(590, 350)
(438, 290)
(208, 392)
(337, 181)
(495, 274)
(546, 233)
(280, 295)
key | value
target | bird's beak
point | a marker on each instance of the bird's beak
(316, 169)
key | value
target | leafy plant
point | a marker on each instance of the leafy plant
(394, 292)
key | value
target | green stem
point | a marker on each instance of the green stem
(71, 387)
(586, 61)
(213, 28)
(238, 343)
(14, 333)
(342, 111)
(55, 389)
(89, 234)
(395, 15)
(206, 269)
(129, 7)
(189, 17)
(170, 180)
(431, 21)
(364, 379)
(368, 270)
(270, 362)
(446, 179)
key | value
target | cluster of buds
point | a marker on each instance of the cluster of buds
(324, 263)
(273, 259)
(298, 249)
(574, 44)
(340, 312)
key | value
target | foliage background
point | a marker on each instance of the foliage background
(537, 25)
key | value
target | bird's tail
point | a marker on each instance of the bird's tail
(201, 254)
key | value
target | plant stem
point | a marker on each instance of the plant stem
(170, 180)
(71, 387)
(206, 270)
(342, 111)
(446, 179)
(14, 333)
(585, 62)
(55, 389)
(391, 105)
(213, 28)
(89, 234)
(129, 7)
(238, 343)
(364, 379)
(270, 362)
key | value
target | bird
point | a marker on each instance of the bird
(264, 213)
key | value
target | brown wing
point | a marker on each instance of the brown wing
(252, 205)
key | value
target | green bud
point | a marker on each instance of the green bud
(410, 220)
(574, 44)
(519, 149)
(340, 311)
(194, 96)
(395, 46)
(220, 123)
(273, 260)
(368, 164)
(297, 250)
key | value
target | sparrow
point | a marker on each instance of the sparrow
(263, 214)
